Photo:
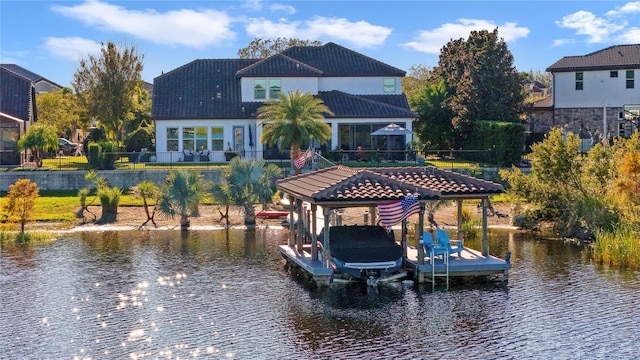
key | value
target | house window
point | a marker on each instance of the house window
(630, 82)
(579, 78)
(201, 138)
(259, 89)
(188, 134)
(217, 139)
(274, 89)
(172, 139)
(613, 74)
(389, 85)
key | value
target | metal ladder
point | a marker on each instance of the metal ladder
(445, 259)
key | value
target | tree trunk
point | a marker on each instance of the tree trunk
(185, 222)
(249, 215)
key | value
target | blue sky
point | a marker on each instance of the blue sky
(50, 37)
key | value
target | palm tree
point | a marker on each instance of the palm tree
(181, 195)
(293, 120)
(246, 182)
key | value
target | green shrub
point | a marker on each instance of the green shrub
(504, 142)
(93, 155)
(138, 140)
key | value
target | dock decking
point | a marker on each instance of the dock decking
(470, 263)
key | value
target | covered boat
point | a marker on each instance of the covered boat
(363, 252)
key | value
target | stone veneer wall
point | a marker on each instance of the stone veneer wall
(587, 122)
(74, 180)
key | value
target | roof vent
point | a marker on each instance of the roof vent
(219, 95)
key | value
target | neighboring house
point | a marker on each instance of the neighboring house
(535, 89)
(541, 115)
(42, 84)
(212, 104)
(17, 113)
(599, 93)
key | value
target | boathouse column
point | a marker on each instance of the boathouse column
(485, 240)
(314, 236)
(300, 225)
(326, 251)
(459, 230)
(372, 215)
(419, 232)
(292, 239)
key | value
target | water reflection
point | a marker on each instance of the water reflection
(225, 294)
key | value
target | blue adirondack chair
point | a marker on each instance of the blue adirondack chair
(454, 246)
(431, 249)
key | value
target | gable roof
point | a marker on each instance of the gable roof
(341, 186)
(279, 65)
(337, 61)
(35, 78)
(611, 58)
(17, 95)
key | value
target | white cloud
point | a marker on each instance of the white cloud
(596, 29)
(560, 42)
(358, 34)
(630, 36)
(290, 10)
(192, 28)
(431, 41)
(612, 27)
(253, 5)
(628, 8)
(71, 48)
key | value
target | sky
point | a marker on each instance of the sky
(51, 37)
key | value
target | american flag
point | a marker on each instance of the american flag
(394, 212)
(302, 159)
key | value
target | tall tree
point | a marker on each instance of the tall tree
(293, 120)
(60, 110)
(260, 48)
(107, 85)
(418, 77)
(433, 126)
(480, 76)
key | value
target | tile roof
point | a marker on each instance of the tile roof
(546, 102)
(201, 89)
(343, 186)
(279, 65)
(614, 57)
(17, 95)
(210, 88)
(335, 60)
(346, 105)
(27, 74)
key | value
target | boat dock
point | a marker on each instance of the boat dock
(470, 263)
(319, 272)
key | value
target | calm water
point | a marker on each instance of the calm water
(219, 294)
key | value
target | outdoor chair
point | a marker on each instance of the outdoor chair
(431, 249)
(187, 156)
(454, 246)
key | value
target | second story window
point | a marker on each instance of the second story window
(259, 89)
(579, 78)
(274, 89)
(389, 85)
(630, 82)
(613, 74)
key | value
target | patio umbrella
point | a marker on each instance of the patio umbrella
(250, 137)
(392, 129)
